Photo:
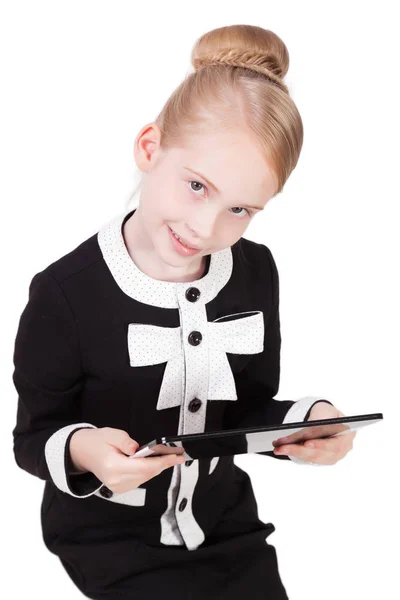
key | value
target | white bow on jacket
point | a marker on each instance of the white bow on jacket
(151, 344)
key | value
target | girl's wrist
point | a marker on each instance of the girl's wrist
(75, 451)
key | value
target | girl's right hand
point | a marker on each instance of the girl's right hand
(104, 451)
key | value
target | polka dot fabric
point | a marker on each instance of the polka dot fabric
(55, 452)
(186, 375)
(197, 369)
(154, 292)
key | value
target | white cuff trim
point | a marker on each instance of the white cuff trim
(297, 412)
(135, 497)
(55, 457)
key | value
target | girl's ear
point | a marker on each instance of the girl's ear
(147, 146)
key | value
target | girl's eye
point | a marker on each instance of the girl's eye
(241, 208)
(197, 183)
(249, 212)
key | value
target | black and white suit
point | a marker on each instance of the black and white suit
(99, 344)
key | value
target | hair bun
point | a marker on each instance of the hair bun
(247, 46)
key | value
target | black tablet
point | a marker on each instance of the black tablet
(254, 439)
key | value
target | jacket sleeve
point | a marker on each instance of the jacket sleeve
(258, 382)
(48, 378)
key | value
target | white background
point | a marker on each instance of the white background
(79, 79)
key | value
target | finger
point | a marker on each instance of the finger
(319, 456)
(170, 461)
(165, 462)
(329, 445)
(150, 465)
(340, 445)
(119, 440)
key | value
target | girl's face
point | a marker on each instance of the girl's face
(207, 193)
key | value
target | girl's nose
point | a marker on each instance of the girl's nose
(203, 224)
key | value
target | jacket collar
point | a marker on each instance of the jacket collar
(154, 292)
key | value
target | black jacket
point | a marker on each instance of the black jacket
(100, 343)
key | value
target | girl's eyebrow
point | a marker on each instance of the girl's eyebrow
(217, 190)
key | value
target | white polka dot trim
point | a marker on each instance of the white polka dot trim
(297, 412)
(142, 287)
(151, 345)
(55, 457)
(135, 497)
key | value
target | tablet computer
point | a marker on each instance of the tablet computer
(252, 440)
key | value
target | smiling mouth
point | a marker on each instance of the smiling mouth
(183, 242)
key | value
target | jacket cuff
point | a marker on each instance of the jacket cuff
(58, 458)
(300, 411)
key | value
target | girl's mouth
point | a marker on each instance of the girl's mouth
(180, 247)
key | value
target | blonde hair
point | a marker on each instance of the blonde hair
(237, 82)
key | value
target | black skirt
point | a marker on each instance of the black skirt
(123, 562)
(225, 570)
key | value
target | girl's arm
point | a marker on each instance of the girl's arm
(48, 378)
(258, 382)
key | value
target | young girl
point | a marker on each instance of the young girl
(167, 322)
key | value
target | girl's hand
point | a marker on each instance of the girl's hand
(321, 451)
(104, 451)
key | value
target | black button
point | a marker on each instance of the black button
(183, 504)
(195, 338)
(106, 492)
(194, 405)
(188, 463)
(192, 294)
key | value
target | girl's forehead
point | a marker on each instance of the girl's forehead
(214, 152)
(234, 138)
(222, 164)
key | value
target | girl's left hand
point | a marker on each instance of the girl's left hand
(321, 451)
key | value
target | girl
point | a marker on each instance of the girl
(167, 321)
